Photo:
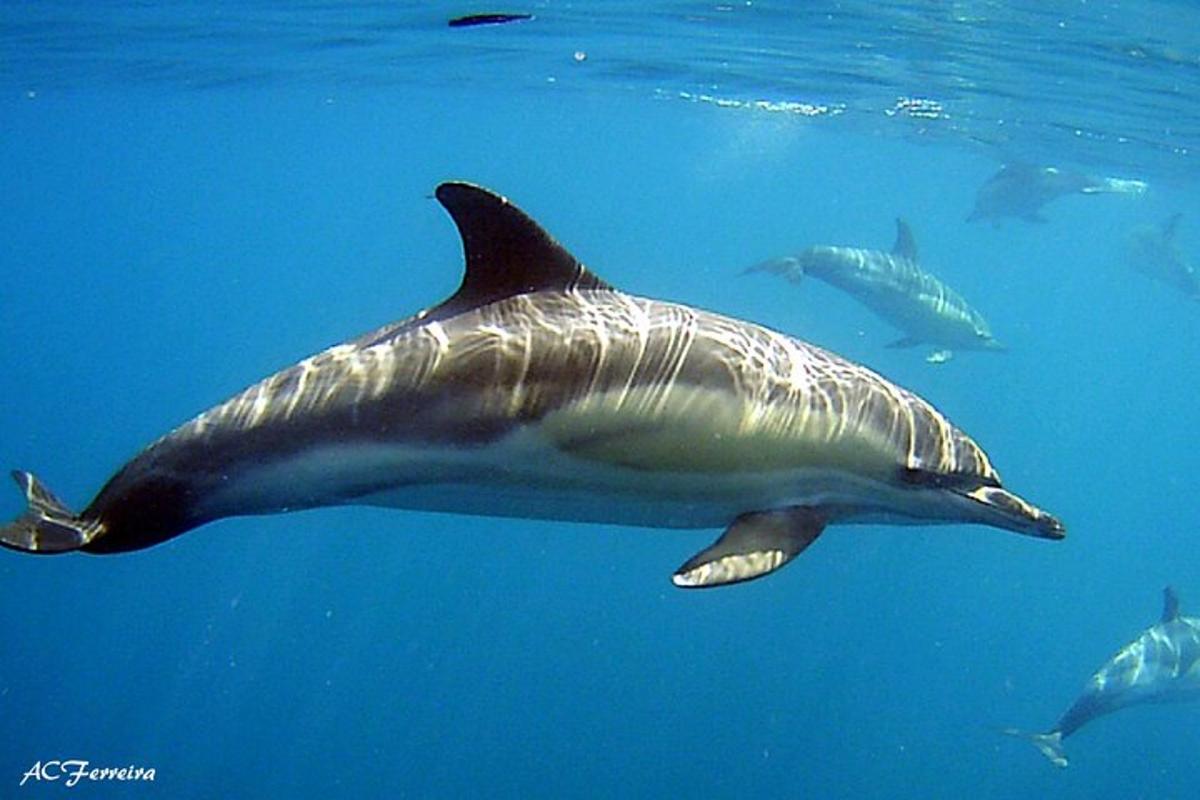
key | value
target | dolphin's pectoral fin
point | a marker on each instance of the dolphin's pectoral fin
(939, 356)
(47, 526)
(1034, 216)
(755, 544)
(902, 342)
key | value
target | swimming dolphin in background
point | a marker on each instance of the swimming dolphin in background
(893, 285)
(1152, 251)
(538, 391)
(1020, 190)
(1160, 666)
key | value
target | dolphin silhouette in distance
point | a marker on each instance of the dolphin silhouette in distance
(894, 286)
(477, 20)
(539, 391)
(1020, 190)
(1160, 666)
(1152, 251)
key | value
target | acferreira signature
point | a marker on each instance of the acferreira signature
(72, 771)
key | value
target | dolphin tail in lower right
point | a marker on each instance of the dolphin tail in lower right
(1048, 744)
(47, 526)
(788, 266)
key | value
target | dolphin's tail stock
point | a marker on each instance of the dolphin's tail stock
(1115, 186)
(1048, 744)
(788, 267)
(47, 526)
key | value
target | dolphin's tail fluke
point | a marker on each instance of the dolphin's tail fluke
(1048, 744)
(789, 267)
(47, 526)
(1115, 186)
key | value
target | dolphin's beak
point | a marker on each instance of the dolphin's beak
(788, 266)
(997, 345)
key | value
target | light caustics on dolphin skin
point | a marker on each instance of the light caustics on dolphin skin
(1162, 665)
(539, 391)
(897, 289)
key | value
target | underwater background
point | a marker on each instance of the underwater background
(197, 194)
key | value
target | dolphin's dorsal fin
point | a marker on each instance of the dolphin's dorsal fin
(1171, 227)
(1019, 170)
(506, 252)
(1170, 605)
(906, 245)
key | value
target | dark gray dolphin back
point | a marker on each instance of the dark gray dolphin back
(150, 499)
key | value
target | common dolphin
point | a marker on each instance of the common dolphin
(1152, 251)
(1020, 190)
(893, 285)
(538, 391)
(1160, 666)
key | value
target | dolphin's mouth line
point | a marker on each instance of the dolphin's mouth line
(1013, 513)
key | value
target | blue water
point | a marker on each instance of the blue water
(198, 194)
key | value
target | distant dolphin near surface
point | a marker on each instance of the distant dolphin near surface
(1152, 251)
(477, 20)
(895, 287)
(539, 391)
(1020, 190)
(1160, 666)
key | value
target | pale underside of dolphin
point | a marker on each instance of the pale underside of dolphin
(538, 391)
(1162, 665)
(1152, 251)
(1020, 190)
(893, 285)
